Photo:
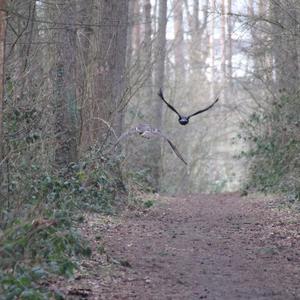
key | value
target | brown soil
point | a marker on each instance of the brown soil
(198, 247)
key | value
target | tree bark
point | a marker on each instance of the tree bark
(147, 51)
(129, 48)
(2, 63)
(223, 41)
(107, 62)
(179, 42)
(212, 48)
(195, 19)
(137, 32)
(285, 46)
(229, 45)
(161, 54)
(84, 34)
(65, 107)
(159, 81)
(197, 53)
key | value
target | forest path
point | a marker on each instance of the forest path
(197, 247)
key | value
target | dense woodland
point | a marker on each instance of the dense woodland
(76, 74)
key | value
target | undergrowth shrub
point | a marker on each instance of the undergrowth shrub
(39, 217)
(31, 251)
(274, 139)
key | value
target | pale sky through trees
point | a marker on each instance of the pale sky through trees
(240, 34)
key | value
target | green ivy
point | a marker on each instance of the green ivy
(273, 136)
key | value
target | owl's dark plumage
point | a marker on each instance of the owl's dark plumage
(182, 119)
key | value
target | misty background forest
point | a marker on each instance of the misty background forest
(77, 74)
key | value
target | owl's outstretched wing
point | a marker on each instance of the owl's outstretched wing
(147, 130)
(125, 135)
(160, 94)
(175, 150)
(203, 110)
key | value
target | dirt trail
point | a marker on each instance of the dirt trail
(199, 247)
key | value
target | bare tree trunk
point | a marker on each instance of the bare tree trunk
(262, 7)
(137, 32)
(159, 81)
(84, 34)
(129, 48)
(65, 108)
(20, 54)
(2, 62)
(161, 54)
(285, 46)
(196, 35)
(197, 52)
(229, 45)
(195, 20)
(179, 42)
(251, 8)
(155, 7)
(107, 69)
(223, 41)
(119, 80)
(26, 51)
(147, 51)
(212, 48)
(256, 40)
